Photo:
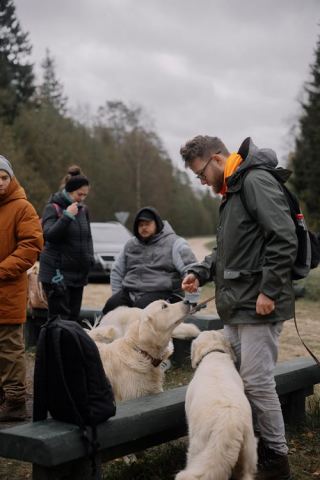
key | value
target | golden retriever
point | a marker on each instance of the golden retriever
(115, 324)
(221, 439)
(133, 362)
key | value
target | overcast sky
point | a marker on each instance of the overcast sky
(227, 68)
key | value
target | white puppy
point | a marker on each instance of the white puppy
(221, 439)
(133, 362)
(117, 322)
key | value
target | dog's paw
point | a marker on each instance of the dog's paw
(130, 459)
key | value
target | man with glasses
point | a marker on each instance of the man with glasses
(251, 267)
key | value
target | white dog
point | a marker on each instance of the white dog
(133, 362)
(221, 439)
(116, 323)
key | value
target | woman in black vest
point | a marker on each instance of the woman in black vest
(68, 251)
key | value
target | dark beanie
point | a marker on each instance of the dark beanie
(75, 182)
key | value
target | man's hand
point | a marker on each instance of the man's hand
(190, 283)
(264, 305)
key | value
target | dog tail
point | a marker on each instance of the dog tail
(96, 323)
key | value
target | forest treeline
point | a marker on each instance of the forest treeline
(118, 147)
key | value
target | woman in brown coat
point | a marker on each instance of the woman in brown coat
(21, 241)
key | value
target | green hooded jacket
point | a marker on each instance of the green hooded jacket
(256, 246)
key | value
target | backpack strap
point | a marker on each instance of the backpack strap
(58, 209)
(289, 200)
(85, 209)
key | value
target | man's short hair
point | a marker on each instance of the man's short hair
(202, 147)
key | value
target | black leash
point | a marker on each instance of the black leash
(308, 349)
(194, 310)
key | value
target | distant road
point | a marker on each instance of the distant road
(198, 246)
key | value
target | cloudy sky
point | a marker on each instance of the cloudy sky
(230, 68)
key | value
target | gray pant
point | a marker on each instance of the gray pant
(256, 348)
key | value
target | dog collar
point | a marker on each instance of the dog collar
(211, 351)
(154, 361)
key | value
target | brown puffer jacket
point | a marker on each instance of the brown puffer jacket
(21, 241)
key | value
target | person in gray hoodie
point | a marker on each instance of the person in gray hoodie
(151, 265)
(251, 267)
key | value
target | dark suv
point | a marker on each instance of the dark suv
(108, 240)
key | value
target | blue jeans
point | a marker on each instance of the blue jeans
(256, 348)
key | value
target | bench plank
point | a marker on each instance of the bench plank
(50, 442)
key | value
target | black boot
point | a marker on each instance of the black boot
(271, 465)
(13, 411)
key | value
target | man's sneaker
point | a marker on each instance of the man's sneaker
(271, 465)
(13, 411)
(2, 396)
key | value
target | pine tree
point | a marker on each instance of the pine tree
(51, 90)
(306, 158)
(16, 74)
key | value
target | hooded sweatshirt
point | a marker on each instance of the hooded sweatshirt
(21, 241)
(153, 266)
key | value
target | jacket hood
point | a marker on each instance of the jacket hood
(156, 216)
(254, 157)
(13, 192)
(60, 199)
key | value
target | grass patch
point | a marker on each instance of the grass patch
(311, 285)
(157, 463)
(164, 461)
(210, 245)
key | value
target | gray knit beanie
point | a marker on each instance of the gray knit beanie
(6, 166)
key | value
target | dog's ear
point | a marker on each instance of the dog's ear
(228, 349)
(196, 357)
(146, 322)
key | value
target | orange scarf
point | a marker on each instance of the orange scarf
(232, 164)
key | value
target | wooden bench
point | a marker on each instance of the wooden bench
(56, 450)
(37, 317)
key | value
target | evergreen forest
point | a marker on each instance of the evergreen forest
(117, 147)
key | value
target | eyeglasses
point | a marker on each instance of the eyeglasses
(201, 175)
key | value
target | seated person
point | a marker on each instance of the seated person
(151, 265)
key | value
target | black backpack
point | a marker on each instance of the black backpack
(308, 255)
(69, 380)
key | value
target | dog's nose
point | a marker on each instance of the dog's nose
(186, 302)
